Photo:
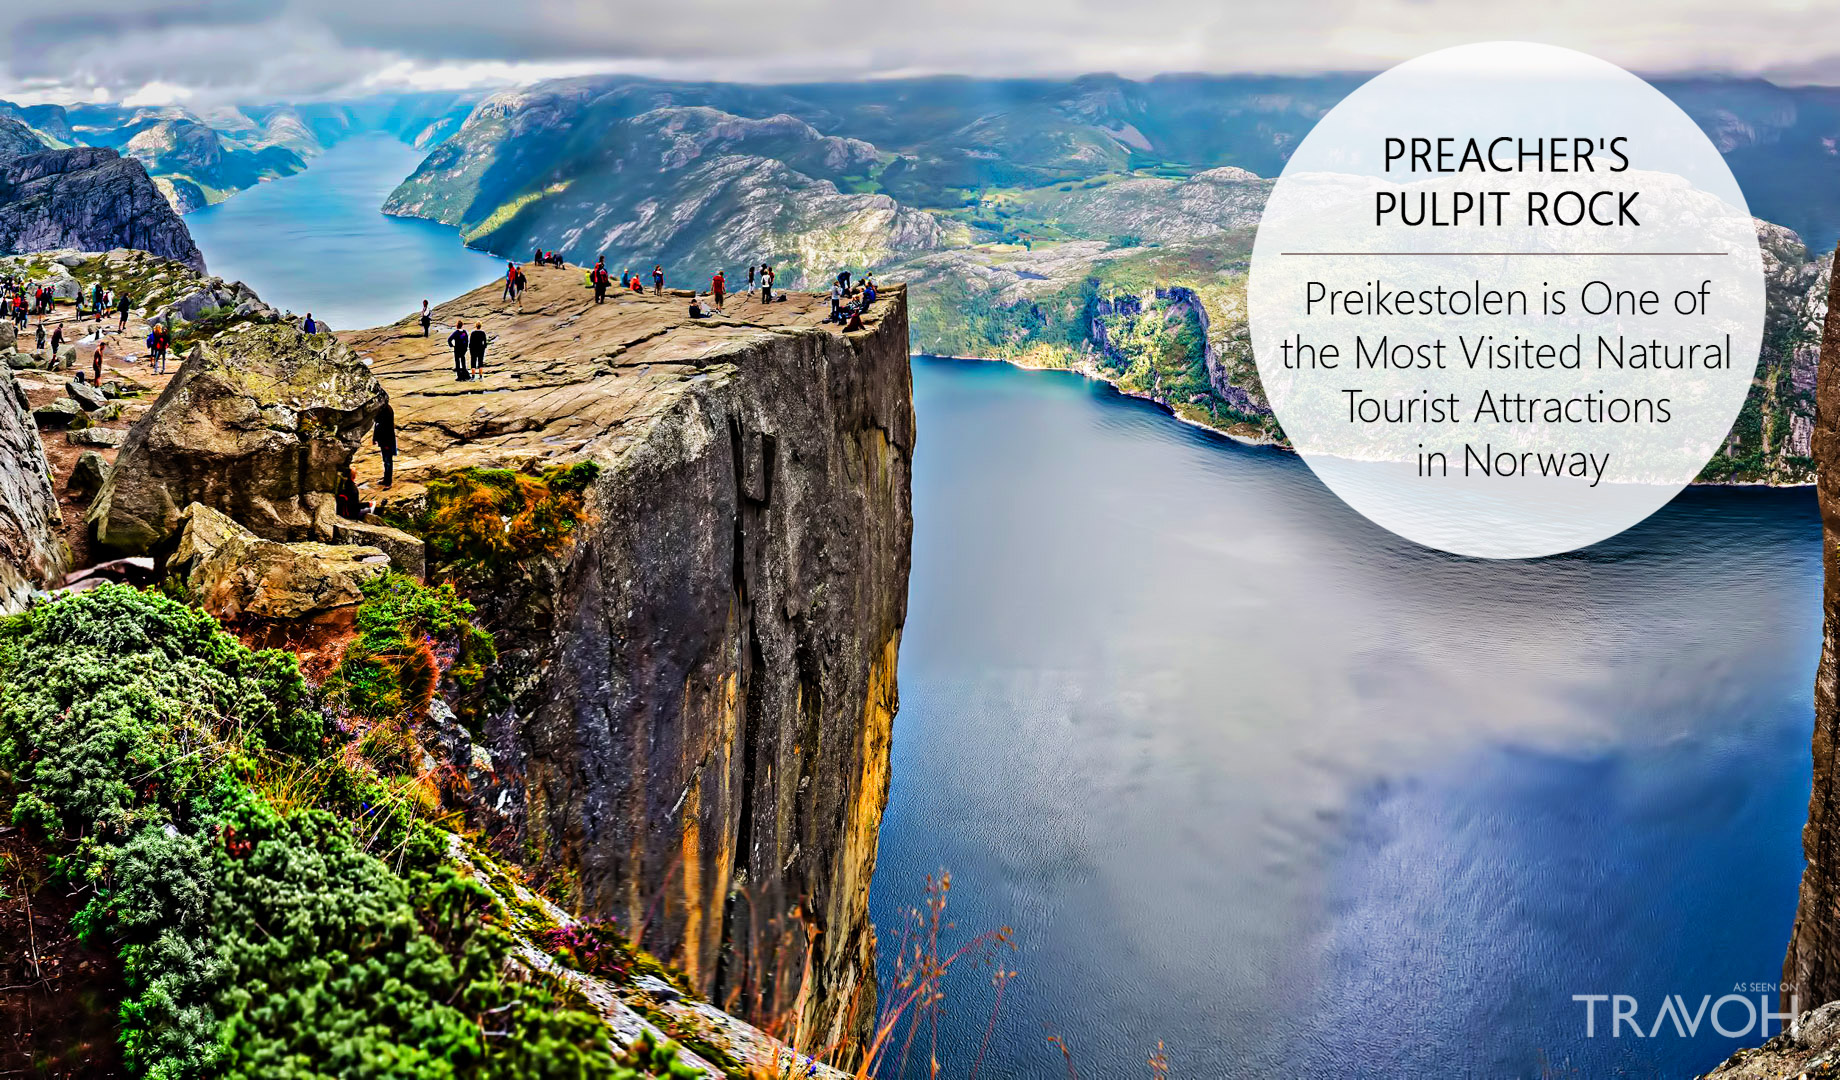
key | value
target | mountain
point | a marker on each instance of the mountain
(199, 158)
(89, 199)
(1097, 223)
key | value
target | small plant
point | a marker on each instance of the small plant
(491, 519)
(410, 637)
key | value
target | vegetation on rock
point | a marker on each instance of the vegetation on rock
(280, 908)
(488, 520)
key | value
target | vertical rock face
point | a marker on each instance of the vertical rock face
(1811, 970)
(31, 554)
(701, 729)
(90, 199)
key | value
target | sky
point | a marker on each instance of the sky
(213, 52)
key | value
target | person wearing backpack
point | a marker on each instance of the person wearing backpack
(477, 343)
(458, 342)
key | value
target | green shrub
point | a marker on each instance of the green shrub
(409, 636)
(492, 519)
(279, 910)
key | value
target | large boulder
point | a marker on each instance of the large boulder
(252, 424)
(87, 475)
(232, 573)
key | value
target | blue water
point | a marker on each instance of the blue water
(1248, 775)
(317, 242)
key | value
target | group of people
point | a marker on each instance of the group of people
(601, 280)
(467, 345)
(546, 258)
(847, 303)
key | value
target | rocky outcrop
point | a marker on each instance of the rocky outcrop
(260, 423)
(1811, 970)
(701, 690)
(16, 139)
(233, 573)
(90, 199)
(31, 554)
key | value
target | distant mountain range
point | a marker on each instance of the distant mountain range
(200, 158)
(1097, 223)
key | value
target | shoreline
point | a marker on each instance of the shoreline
(1242, 440)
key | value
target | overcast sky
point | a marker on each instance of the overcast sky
(205, 52)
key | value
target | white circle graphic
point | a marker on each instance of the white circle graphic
(1506, 300)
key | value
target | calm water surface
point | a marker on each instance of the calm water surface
(317, 241)
(1248, 775)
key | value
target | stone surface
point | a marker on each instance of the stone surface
(233, 573)
(87, 475)
(253, 422)
(705, 682)
(406, 552)
(1811, 970)
(89, 199)
(1810, 1049)
(31, 554)
(109, 438)
(84, 394)
(58, 414)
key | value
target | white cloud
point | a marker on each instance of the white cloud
(223, 50)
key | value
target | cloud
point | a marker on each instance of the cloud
(213, 51)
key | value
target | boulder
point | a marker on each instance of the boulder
(231, 572)
(407, 553)
(84, 394)
(252, 423)
(9, 335)
(59, 414)
(24, 361)
(87, 475)
(96, 436)
(64, 287)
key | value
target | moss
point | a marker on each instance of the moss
(486, 522)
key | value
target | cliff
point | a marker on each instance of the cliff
(1811, 970)
(89, 199)
(697, 694)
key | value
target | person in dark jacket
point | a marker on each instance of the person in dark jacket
(385, 436)
(427, 319)
(601, 280)
(658, 279)
(477, 342)
(121, 305)
(457, 340)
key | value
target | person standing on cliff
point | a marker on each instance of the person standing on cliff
(95, 360)
(385, 436)
(477, 343)
(657, 279)
(121, 306)
(511, 272)
(599, 278)
(427, 319)
(457, 341)
(717, 285)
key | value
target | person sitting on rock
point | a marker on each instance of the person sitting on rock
(697, 310)
(457, 341)
(348, 497)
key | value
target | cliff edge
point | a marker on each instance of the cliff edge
(1811, 970)
(696, 697)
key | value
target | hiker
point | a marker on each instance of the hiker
(836, 302)
(57, 342)
(457, 340)
(41, 337)
(600, 281)
(121, 305)
(766, 283)
(385, 436)
(715, 287)
(855, 322)
(477, 343)
(308, 326)
(95, 361)
(536, 256)
(750, 280)
(637, 285)
(658, 279)
(427, 319)
(697, 310)
(511, 272)
(520, 283)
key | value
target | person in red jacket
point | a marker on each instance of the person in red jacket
(716, 286)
